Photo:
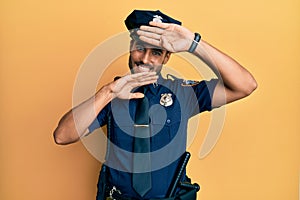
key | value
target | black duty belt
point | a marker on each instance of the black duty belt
(190, 194)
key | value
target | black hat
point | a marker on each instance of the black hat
(142, 17)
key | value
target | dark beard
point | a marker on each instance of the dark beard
(130, 64)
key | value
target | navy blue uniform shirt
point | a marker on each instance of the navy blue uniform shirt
(172, 103)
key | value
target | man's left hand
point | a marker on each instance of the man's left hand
(172, 37)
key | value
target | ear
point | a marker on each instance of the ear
(167, 57)
(131, 44)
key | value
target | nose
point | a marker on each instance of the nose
(147, 57)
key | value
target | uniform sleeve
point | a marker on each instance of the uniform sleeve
(101, 119)
(204, 92)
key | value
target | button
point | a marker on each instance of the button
(168, 121)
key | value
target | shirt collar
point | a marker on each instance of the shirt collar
(154, 87)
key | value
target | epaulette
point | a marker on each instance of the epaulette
(183, 82)
(172, 77)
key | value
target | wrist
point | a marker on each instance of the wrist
(105, 93)
(195, 43)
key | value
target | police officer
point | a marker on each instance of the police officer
(170, 103)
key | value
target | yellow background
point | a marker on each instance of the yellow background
(43, 43)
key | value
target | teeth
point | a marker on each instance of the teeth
(143, 68)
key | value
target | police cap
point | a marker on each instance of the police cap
(142, 17)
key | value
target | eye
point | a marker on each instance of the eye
(156, 52)
(139, 48)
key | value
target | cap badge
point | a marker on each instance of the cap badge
(157, 18)
(166, 99)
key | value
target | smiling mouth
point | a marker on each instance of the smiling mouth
(143, 67)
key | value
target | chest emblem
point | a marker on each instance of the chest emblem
(166, 99)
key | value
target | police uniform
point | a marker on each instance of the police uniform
(172, 102)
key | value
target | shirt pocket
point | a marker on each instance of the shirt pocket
(164, 130)
(122, 133)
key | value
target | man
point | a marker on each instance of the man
(167, 104)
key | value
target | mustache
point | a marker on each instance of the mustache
(143, 64)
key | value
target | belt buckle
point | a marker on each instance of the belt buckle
(111, 192)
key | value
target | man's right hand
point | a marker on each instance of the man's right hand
(122, 88)
(74, 124)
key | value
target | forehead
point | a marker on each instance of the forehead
(146, 45)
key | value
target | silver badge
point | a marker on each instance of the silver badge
(157, 18)
(166, 99)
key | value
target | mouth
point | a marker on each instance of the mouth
(144, 67)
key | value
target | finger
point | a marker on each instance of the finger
(142, 83)
(136, 76)
(144, 80)
(149, 34)
(151, 29)
(151, 41)
(148, 78)
(141, 77)
(142, 74)
(136, 95)
(160, 24)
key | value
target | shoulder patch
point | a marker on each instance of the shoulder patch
(189, 83)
